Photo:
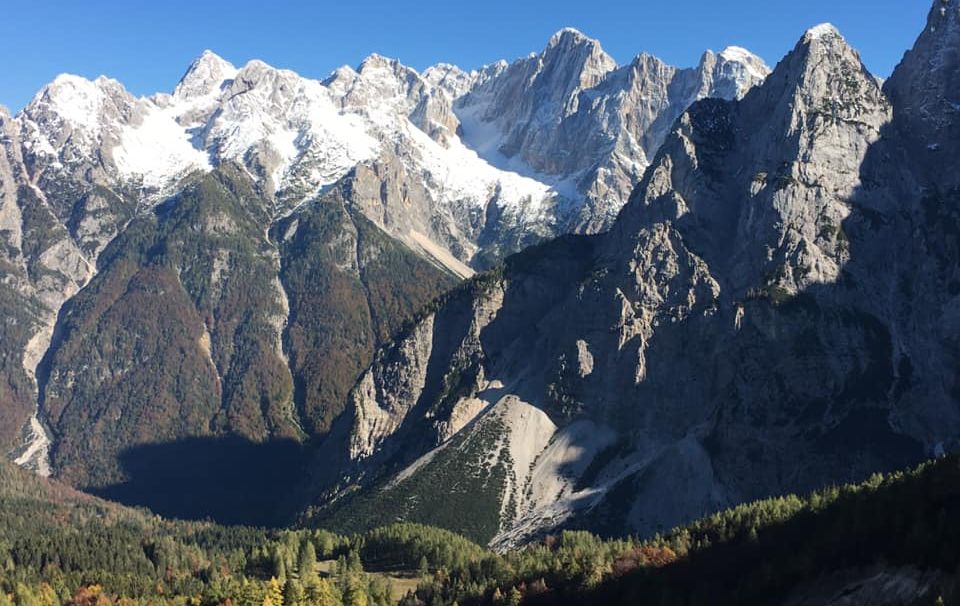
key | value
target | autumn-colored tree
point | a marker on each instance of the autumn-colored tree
(90, 596)
(321, 593)
(657, 557)
(274, 596)
(47, 595)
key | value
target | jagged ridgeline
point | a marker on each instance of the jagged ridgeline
(193, 282)
(775, 309)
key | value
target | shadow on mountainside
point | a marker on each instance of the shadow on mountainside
(230, 480)
(828, 385)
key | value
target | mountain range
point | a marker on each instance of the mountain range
(222, 260)
(729, 282)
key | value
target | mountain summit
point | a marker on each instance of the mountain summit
(205, 76)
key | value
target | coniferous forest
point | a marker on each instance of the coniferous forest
(59, 546)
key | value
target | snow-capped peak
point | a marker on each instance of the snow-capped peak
(75, 100)
(738, 53)
(205, 76)
(755, 66)
(376, 60)
(824, 30)
(569, 35)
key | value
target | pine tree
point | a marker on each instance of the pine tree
(307, 564)
(274, 596)
(322, 593)
(249, 594)
(326, 545)
(353, 561)
(293, 593)
(355, 596)
(279, 565)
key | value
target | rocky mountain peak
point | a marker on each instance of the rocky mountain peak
(741, 69)
(825, 38)
(568, 37)
(797, 143)
(729, 74)
(205, 76)
(380, 85)
(821, 32)
(378, 61)
(73, 99)
(580, 60)
(389, 76)
(823, 77)
(450, 78)
(255, 69)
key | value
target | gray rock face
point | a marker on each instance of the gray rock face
(924, 92)
(572, 115)
(774, 309)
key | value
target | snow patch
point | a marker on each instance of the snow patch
(158, 149)
(485, 139)
(571, 32)
(75, 99)
(752, 63)
(820, 31)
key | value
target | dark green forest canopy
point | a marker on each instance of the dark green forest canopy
(61, 546)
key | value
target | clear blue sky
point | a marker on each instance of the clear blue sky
(148, 44)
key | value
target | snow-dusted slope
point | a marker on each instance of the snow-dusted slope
(490, 160)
